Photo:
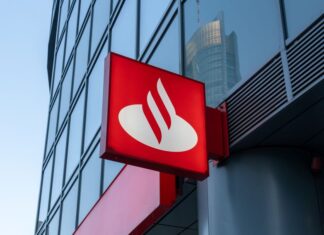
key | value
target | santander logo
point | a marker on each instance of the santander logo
(155, 123)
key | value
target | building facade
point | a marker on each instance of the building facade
(263, 58)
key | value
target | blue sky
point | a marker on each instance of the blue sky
(24, 30)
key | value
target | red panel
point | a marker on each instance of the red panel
(153, 118)
(217, 132)
(134, 201)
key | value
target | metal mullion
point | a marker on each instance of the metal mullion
(137, 30)
(181, 38)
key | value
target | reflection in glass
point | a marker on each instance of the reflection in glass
(94, 98)
(46, 184)
(226, 41)
(300, 14)
(69, 208)
(58, 166)
(72, 30)
(90, 184)
(52, 122)
(100, 21)
(211, 57)
(124, 30)
(65, 94)
(81, 59)
(151, 14)
(166, 55)
(75, 137)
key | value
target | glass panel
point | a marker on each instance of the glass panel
(301, 13)
(94, 102)
(114, 2)
(84, 6)
(151, 14)
(124, 30)
(81, 60)
(75, 137)
(100, 21)
(72, 30)
(58, 65)
(63, 16)
(111, 170)
(53, 227)
(59, 166)
(69, 208)
(228, 40)
(167, 55)
(90, 184)
(46, 186)
(52, 125)
(65, 94)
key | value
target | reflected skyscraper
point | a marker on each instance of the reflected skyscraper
(212, 58)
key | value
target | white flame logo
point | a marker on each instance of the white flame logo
(156, 123)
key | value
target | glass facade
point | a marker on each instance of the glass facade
(221, 43)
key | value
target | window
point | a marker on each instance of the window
(81, 60)
(301, 13)
(69, 208)
(53, 227)
(124, 30)
(75, 137)
(100, 21)
(58, 66)
(228, 41)
(166, 55)
(52, 122)
(46, 187)
(111, 170)
(94, 98)
(151, 14)
(58, 166)
(65, 94)
(72, 30)
(84, 6)
(63, 14)
(90, 184)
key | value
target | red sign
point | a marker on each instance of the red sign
(153, 118)
(131, 204)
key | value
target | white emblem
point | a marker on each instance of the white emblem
(171, 133)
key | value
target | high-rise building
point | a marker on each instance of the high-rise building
(212, 57)
(263, 58)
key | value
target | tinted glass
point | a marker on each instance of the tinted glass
(84, 6)
(111, 170)
(72, 30)
(58, 65)
(75, 137)
(63, 14)
(65, 94)
(81, 60)
(52, 125)
(53, 227)
(226, 41)
(94, 102)
(46, 186)
(301, 13)
(151, 14)
(90, 184)
(69, 208)
(166, 55)
(124, 31)
(100, 21)
(58, 166)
